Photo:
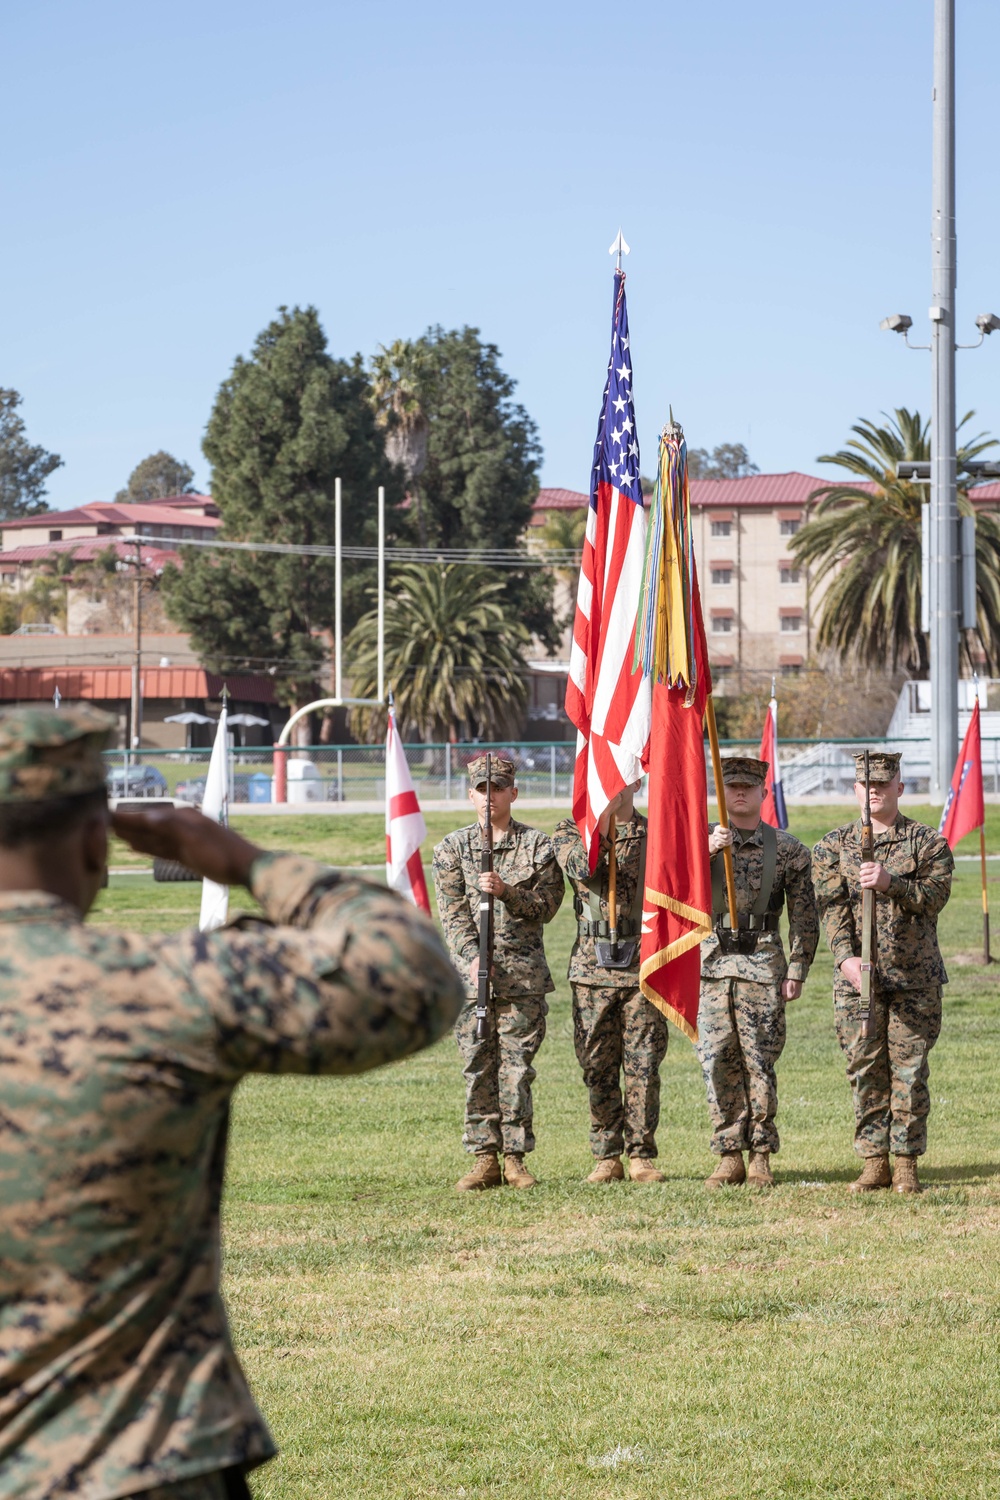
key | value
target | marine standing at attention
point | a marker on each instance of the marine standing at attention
(911, 874)
(616, 1030)
(745, 979)
(527, 887)
(119, 1054)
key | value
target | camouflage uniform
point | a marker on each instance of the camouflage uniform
(741, 1012)
(119, 1055)
(498, 1070)
(888, 1072)
(615, 1028)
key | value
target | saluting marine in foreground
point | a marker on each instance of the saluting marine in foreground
(615, 1028)
(527, 887)
(745, 979)
(909, 872)
(119, 1055)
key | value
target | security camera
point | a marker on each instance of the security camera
(898, 323)
(987, 323)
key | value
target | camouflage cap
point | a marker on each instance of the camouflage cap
(743, 770)
(502, 771)
(883, 765)
(52, 752)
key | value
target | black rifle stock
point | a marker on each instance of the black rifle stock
(867, 909)
(485, 916)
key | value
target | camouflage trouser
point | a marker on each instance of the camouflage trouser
(741, 1026)
(617, 1031)
(499, 1075)
(219, 1485)
(888, 1072)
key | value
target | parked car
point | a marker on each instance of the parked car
(193, 789)
(138, 781)
(539, 758)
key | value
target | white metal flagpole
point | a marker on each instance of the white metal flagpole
(380, 693)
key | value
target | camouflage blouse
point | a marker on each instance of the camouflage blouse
(920, 865)
(524, 859)
(793, 883)
(629, 840)
(118, 1059)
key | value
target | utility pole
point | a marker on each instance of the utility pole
(943, 614)
(137, 646)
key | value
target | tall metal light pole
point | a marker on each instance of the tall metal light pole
(943, 613)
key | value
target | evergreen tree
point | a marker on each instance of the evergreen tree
(24, 466)
(155, 478)
(286, 423)
(471, 454)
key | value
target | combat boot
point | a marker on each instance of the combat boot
(516, 1174)
(641, 1169)
(608, 1169)
(729, 1173)
(904, 1178)
(759, 1173)
(875, 1174)
(485, 1174)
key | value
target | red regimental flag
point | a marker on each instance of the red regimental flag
(677, 910)
(964, 811)
(405, 829)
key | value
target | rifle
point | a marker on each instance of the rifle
(485, 916)
(867, 910)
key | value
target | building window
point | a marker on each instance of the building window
(722, 575)
(789, 573)
(791, 668)
(722, 528)
(789, 525)
(791, 624)
(55, 536)
(722, 624)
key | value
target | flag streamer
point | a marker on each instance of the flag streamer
(665, 625)
(672, 652)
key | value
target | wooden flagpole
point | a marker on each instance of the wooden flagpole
(720, 795)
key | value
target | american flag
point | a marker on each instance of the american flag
(607, 702)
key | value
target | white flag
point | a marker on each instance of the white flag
(215, 898)
(405, 829)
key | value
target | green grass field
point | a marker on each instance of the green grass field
(624, 1343)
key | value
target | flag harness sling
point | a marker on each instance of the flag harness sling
(628, 930)
(743, 939)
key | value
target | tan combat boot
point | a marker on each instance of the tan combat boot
(729, 1173)
(516, 1174)
(904, 1178)
(759, 1172)
(485, 1174)
(608, 1169)
(875, 1174)
(641, 1169)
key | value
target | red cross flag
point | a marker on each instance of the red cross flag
(405, 829)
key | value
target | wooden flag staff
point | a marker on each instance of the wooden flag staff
(720, 795)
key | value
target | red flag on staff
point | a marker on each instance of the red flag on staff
(964, 811)
(671, 648)
(405, 829)
(607, 701)
(773, 807)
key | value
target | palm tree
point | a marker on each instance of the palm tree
(868, 545)
(399, 411)
(452, 657)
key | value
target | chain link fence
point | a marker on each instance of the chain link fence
(356, 773)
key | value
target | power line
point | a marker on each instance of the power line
(489, 557)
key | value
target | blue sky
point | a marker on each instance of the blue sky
(173, 174)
